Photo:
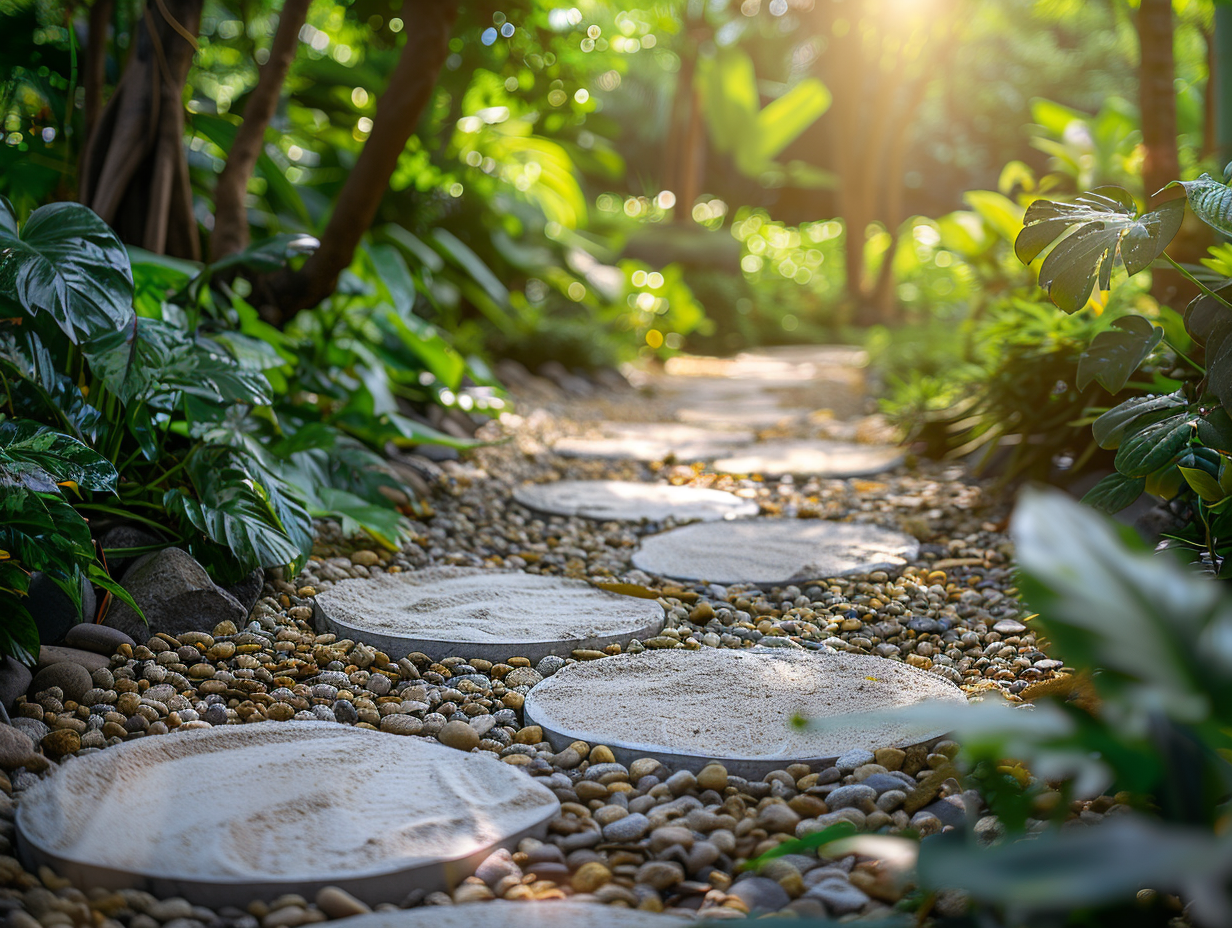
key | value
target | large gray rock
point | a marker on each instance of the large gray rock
(14, 680)
(100, 639)
(248, 590)
(73, 679)
(126, 536)
(15, 747)
(176, 595)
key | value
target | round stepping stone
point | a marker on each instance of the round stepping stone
(812, 458)
(518, 915)
(653, 441)
(687, 708)
(226, 815)
(471, 612)
(629, 501)
(773, 551)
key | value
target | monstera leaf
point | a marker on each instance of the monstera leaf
(1106, 224)
(66, 262)
(39, 458)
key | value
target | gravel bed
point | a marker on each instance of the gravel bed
(641, 835)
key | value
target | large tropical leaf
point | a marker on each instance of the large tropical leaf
(232, 507)
(39, 390)
(782, 121)
(1210, 200)
(38, 457)
(1155, 446)
(67, 263)
(1117, 352)
(1106, 224)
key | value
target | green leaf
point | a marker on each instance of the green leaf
(1062, 871)
(1114, 492)
(385, 526)
(1210, 200)
(38, 389)
(231, 506)
(1116, 353)
(269, 254)
(1105, 224)
(1155, 446)
(1001, 213)
(38, 457)
(67, 262)
(1202, 483)
(460, 254)
(19, 636)
(783, 120)
(1209, 323)
(1110, 429)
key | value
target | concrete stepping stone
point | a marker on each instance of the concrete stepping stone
(504, 914)
(687, 708)
(629, 501)
(471, 612)
(835, 459)
(226, 815)
(653, 441)
(773, 551)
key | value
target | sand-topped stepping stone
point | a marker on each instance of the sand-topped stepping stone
(501, 914)
(226, 815)
(629, 501)
(773, 551)
(812, 458)
(472, 612)
(653, 441)
(687, 708)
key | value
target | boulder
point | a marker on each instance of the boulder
(248, 590)
(73, 679)
(15, 679)
(175, 594)
(100, 639)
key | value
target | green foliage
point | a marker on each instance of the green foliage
(1106, 225)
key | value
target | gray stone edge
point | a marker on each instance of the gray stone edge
(389, 885)
(399, 646)
(745, 508)
(897, 564)
(626, 752)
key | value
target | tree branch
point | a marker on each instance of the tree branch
(230, 217)
(429, 23)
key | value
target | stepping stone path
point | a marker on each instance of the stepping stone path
(687, 708)
(773, 551)
(295, 806)
(502, 914)
(836, 459)
(653, 441)
(628, 501)
(471, 612)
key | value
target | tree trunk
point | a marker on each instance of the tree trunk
(1157, 94)
(429, 23)
(95, 69)
(135, 172)
(230, 215)
(1157, 99)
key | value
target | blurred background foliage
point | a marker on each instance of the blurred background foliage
(567, 147)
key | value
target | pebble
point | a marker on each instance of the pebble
(458, 735)
(629, 828)
(838, 895)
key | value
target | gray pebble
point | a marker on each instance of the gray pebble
(630, 828)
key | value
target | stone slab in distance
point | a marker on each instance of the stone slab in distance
(835, 459)
(629, 501)
(226, 815)
(773, 551)
(653, 441)
(471, 612)
(502, 914)
(687, 708)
